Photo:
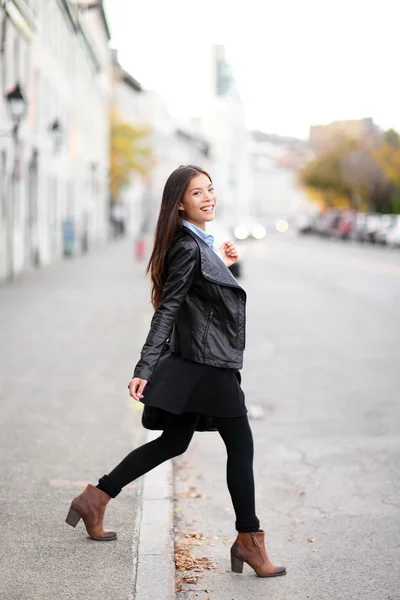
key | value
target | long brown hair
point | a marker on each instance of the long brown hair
(169, 226)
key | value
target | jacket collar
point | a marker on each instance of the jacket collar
(204, 235)
(211, 265)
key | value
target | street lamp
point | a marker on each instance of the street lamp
(57, 131)
(17, 107)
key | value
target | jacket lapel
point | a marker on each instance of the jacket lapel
(212, 267)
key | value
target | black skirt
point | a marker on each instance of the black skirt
(180, 386)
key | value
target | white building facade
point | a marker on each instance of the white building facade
(171, 144)
(224, 124)
(54, 180)
(276, 192)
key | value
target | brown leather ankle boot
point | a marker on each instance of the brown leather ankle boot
(250, 548)
(90, 506)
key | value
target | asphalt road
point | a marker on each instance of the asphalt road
(70, 335)
(323, 363)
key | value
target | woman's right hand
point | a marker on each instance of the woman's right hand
(136, 387)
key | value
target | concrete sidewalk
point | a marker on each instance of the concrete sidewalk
(70, 335)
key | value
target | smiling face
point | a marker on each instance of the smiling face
(198, 203)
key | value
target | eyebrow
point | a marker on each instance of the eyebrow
(199, 188)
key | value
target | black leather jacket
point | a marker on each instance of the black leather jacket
(202, 310)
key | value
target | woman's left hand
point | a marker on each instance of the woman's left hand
(229, 253)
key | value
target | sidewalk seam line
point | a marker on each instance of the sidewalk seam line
(136, 543)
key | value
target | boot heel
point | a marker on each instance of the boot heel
(73, 517)
(236, 564)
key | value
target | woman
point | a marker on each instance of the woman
(200, 312)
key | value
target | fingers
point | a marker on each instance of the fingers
(142, 385)
(136, 387)
(231, 250)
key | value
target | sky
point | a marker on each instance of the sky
(296, 62)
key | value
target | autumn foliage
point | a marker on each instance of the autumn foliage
(130, 153)
(357, 173)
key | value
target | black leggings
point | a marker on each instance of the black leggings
(175, 440)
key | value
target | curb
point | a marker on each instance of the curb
(154, 560)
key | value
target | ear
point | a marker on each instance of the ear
(180, 207)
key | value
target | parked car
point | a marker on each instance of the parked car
(386, 224)
(305, 222)
(349, 224)
(327, 222)
(358, 231)
(321, 223)
(333, 222)
(372, 225)
(346, 225)
(393, 235)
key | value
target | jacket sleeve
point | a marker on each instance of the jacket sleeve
(182, 267)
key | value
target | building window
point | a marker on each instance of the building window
(26, 66)
(17, 71)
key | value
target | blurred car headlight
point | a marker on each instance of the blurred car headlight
(241, 233)
(259, 232)
(282, 225)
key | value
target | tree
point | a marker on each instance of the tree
(369, 187)
(350, 176)
(323, 174)
(129, 154)
(387, 155)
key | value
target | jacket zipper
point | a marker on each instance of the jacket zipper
(207, 327)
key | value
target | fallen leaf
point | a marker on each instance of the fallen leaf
(196, 535)
(191, 579)
(191, 493)
(185, 562)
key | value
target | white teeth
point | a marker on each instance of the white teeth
(210, 209)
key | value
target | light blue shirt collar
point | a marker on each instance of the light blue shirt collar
(206, 237)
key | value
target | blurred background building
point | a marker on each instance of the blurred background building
(170, 143)
(224, 122)
(85, 148)
(54, 149)
(275, 191)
